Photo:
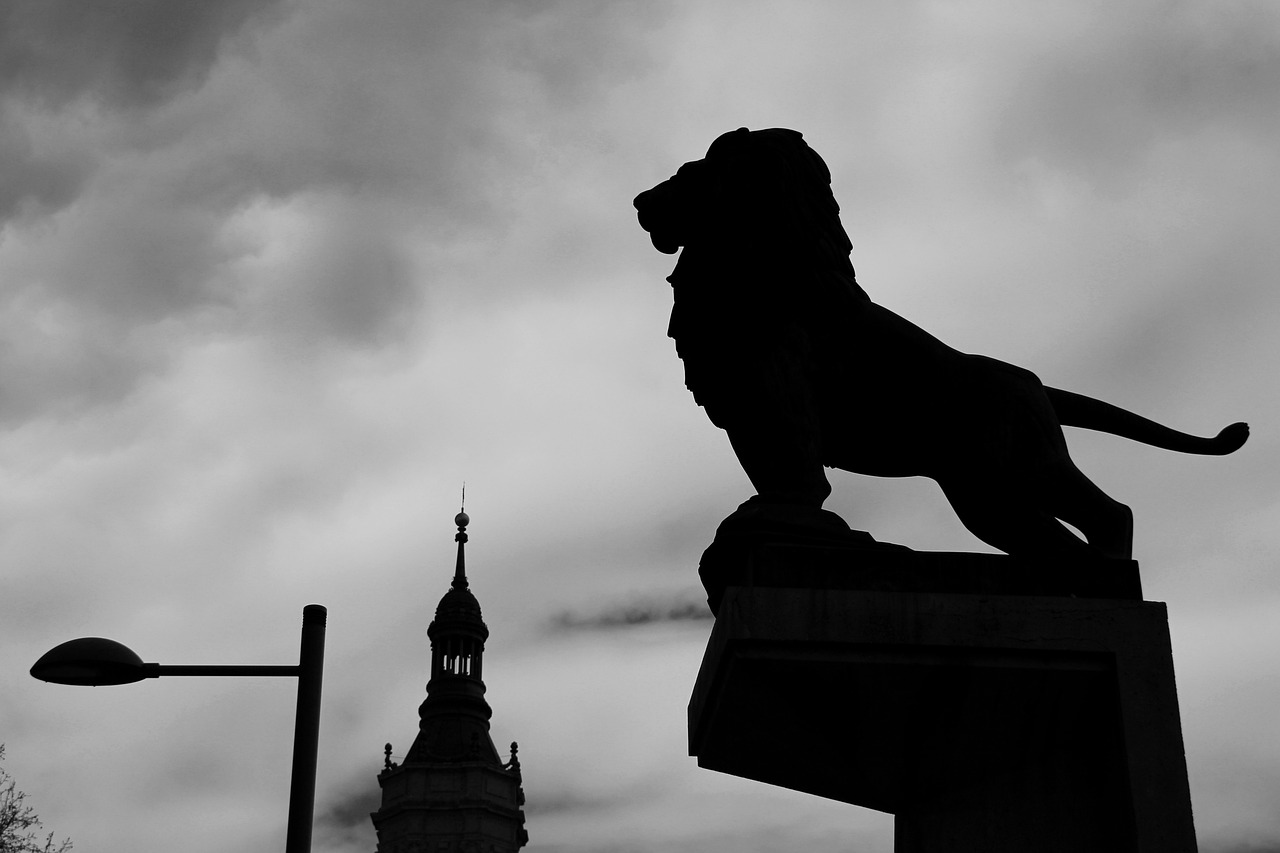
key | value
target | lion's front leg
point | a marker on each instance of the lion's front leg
(764, 401)
(780, 463)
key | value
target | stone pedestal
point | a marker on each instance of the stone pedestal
(1009, 709)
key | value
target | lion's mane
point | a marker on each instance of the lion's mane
(765, 274)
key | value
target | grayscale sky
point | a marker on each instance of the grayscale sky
(277, 277)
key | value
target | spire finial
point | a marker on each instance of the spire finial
(462, 520)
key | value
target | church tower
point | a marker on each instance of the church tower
(452, 793)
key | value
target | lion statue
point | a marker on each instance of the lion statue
(790, 357)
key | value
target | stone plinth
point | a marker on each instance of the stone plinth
(983, 717)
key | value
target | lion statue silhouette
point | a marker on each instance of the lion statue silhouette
(789, 356)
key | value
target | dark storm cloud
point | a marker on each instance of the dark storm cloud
(352, 289)
(124, 52)
(83, 298)
(35, 179)
(189, 171)
(1099, 101)
(43, 373)
(346, 280)
(683, 606)
(88, 306)
(162, 237)
(344, 823)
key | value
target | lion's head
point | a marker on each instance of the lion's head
(763, 191)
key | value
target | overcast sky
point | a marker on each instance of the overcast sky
(277, 277)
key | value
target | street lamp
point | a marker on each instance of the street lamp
(94, 661)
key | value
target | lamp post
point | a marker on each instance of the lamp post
(94, 661)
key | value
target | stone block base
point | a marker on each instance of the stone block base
(983, 721)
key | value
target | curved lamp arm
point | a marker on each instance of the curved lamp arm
(97, 661)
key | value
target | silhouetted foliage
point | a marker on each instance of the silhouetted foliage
(19, 823)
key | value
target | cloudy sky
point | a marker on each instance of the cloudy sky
(278, 276)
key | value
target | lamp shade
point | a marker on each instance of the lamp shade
(90, 661)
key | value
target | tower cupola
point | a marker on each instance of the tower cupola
(458, 632)
(454, 718)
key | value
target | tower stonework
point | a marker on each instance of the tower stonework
(452, 793)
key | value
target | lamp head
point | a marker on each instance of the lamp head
(90, 661)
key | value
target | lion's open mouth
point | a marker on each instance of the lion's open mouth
(645, 205)
(665, 245)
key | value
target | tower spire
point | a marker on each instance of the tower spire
(462, 520)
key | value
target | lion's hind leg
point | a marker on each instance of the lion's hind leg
(1015, 525)
(1104, 521)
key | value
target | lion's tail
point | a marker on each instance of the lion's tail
(1078, 410)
